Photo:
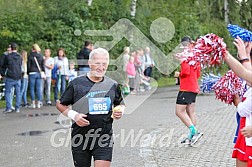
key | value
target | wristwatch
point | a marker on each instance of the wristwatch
(244, 60)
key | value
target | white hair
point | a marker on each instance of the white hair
(98, 51)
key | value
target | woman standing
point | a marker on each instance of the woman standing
(61, 62)
(24, 81)
(33, 70)
(125, 58)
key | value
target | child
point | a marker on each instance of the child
(72, 73)
(131, 73)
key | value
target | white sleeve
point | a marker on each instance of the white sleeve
(66, 66)
(245, 108)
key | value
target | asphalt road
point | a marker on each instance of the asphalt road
(35, 138)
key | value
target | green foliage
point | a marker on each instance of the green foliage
(51, 24)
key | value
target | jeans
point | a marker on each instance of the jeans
(83, 70)
(60, 85)
(47, 89)
(9, 84)
(35, 82)
(23, 91)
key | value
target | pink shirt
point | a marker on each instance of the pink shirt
(130, 68)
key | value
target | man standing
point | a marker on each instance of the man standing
(49, 64)
(13, 73)
(92, 97)
(189, 88)
(83, 57)
(148, 64)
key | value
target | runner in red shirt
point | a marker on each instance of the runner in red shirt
(189, 88)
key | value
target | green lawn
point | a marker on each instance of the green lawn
(165, 81)
(162, 82)
(2, 103)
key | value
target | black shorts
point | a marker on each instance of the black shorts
(185, 98)
(98, 149)
(83, 158)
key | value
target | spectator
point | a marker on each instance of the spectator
(8, 51)
(131, 72)
(125, 58)
(49, 64)
(83, 56)
(35, 80)
(61, 62)
(24, 81)
(148, 64)
(12, 72)
(72, 73)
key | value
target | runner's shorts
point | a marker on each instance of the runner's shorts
(100, 148)
(185, 98)
(83, 158)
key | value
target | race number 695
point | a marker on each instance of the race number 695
(100, 107)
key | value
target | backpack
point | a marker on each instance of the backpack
(54, 72)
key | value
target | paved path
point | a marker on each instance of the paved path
(148, 137)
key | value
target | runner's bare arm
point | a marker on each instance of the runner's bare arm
(75, 116)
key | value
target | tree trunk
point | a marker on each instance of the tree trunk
(133, 8)
(89, 2)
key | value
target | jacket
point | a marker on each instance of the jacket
(189, 75)
(11, 67)
(83, 57)
(31, 64)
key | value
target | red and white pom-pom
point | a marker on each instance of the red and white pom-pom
(210, 49)
(229, 85)
(187, 55)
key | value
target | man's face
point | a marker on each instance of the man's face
(147, 50)
(9, 49)
(98, 65)
(91, 47)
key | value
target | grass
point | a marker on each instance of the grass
(2, 103)
(165, 81)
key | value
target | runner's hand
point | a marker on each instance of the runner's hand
(247, 131)
(118, 112)
(80, 120)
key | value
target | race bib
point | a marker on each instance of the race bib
(99, 105)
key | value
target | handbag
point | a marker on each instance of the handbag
(42, 73)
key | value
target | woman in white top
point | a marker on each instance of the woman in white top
(61, 62)
(243, 108)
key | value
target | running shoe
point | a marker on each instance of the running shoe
(186, 141)
(196, 138)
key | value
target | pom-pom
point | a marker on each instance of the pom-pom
(207, 82)
(210, 49)
(229, 85)
(236, 31)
